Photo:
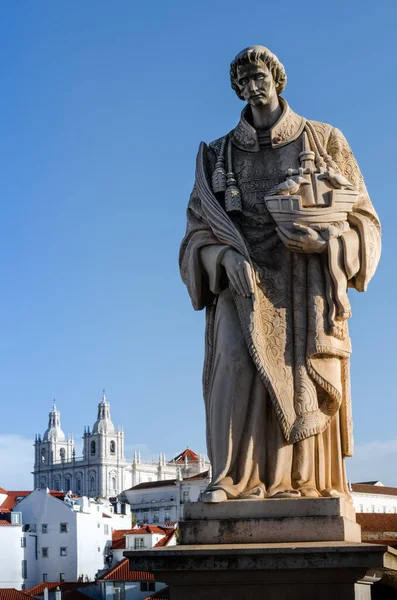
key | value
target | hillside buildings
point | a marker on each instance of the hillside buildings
(53, 536)
(102, 470)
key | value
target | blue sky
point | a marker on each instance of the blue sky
(103, 106)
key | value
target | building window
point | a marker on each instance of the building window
(145, 517)
(99, 549)
(16, 518)
(44, 528)
(155, 516)
(106, 529)
(67, 484)
(112, 447)
(186, 496)
(57, 485)
(138, 543)
(148, 586)
(45, 577)
(62, 453)
(372, 507)
(24, 569)
(32, 528)
(113, 482)
(23, 542)
(43, 456)
(62, 577)
(361, 508)
(93, 448)
(63, 528)
(167, 516)
(44, 552)
(384, 509)
(63, 551)
(78, 485)
(92, 483)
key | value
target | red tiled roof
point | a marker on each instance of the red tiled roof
(13, 594)
(3, 491)
(166, 539)
(189, 454)
(118, 535)
(168, 482)
(39, 589)
(367, 488)
(11, 501)
(122, 572)
(377, 522)
(163, 594)
(153, 484)
(202, 475)
(65, 586)
(2, 523)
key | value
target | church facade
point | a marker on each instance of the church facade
(102, 470)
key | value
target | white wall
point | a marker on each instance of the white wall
(12, 554)
(369, 503)
(94, 535)
(38, 509)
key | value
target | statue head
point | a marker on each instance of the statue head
(256, 75)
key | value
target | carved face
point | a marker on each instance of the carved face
(256, 84)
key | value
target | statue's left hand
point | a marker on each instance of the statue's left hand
(305, 239)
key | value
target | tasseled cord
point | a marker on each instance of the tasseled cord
(226, 182)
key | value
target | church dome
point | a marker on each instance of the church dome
(103, 424)
(54, 431)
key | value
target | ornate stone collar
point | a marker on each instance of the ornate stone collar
(287, 129)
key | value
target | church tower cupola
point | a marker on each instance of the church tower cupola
(54, 431)
(103, 424)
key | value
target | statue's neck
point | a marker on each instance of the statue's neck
(264, 117)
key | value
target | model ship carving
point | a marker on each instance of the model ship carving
(311, 195)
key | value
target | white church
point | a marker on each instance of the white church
(103, 469)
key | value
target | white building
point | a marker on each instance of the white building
(102, 470)
(120, 582)
(141, 537)
(373, 497)
(161, 502)
(66, 538)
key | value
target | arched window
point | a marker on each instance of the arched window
(57, 484)
(112, 447)
(43, 455)
(67, 484)
(92, 483)
(93, 448)
(43, 482)
(62, 453)
(113, 481)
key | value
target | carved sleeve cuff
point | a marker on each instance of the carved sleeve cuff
(351, 252)
(211, 257)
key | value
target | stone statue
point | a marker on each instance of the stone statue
(279, 225)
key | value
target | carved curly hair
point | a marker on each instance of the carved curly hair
(254, 55)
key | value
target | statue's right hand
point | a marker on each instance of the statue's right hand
(239, 272)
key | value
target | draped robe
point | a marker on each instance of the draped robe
(276, 374)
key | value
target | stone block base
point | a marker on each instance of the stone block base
(270, 521)
(303, 571)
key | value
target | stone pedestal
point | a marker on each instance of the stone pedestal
(281, 549)
(261, 521)
(302, 571)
